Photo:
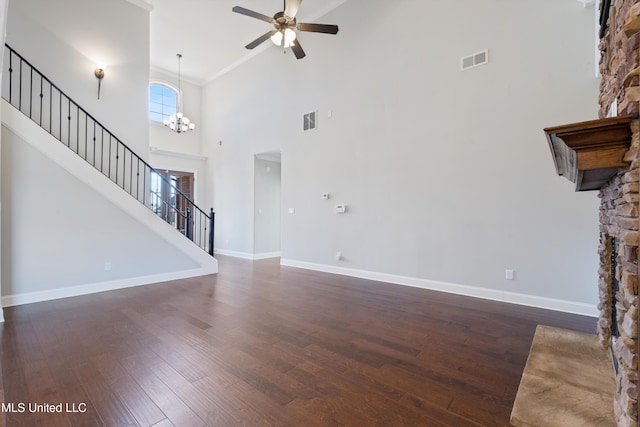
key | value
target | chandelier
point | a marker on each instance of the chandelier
(178, 122)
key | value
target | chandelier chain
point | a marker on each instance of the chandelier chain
(178, 122)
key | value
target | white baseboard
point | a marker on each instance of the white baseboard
(246, 255)
(466, 290)
(235, 254)
(32, 297)
(266, 255)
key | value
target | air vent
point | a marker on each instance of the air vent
(474, 60)
(309, 121)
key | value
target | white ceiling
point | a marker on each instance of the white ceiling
(210, 37)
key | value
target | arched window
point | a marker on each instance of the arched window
(163, 101)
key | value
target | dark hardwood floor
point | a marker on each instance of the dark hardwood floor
(262, 345)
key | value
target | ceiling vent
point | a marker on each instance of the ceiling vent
(474, 60)
(309, 121)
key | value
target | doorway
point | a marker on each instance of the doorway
(170, 192)
(267, 205)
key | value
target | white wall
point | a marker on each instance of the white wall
(65, 39)
(447, 174)
(267, 208)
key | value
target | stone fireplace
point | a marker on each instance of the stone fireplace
(602, 155)
(619, 268)
(619, 220)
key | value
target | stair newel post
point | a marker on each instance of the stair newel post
(188, 228)
(212, 223)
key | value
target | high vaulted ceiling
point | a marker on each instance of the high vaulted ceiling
(210, 37)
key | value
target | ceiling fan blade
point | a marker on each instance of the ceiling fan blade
(318, 28)
(297, 50)
(251, 13)
(261, 39)
(292, 8)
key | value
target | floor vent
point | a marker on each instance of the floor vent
(309, 121)
(474, 60)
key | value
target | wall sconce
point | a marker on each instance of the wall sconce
(99, 72)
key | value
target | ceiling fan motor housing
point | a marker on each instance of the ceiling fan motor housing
(282, 21)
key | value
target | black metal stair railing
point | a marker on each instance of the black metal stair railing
(33, 94)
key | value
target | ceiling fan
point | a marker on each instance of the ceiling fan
(285, 25)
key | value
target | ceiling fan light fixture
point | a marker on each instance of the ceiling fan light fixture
(277, 38)
(289, 35)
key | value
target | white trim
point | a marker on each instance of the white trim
(266, 255)
(31, 297)
(235, 254)
(471, 291)
(254, 52)
(170, 75)
(270, 156)
(142, 4)
(246, 255)
(160, 152)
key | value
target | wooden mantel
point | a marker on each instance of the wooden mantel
(590, 153)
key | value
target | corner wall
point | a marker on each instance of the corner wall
(446, 174)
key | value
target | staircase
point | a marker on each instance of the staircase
(35, 96)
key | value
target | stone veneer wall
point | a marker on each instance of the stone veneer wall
(619, 206)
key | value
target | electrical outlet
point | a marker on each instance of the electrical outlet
(338, 256)
(508, 274)
(107, 266)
